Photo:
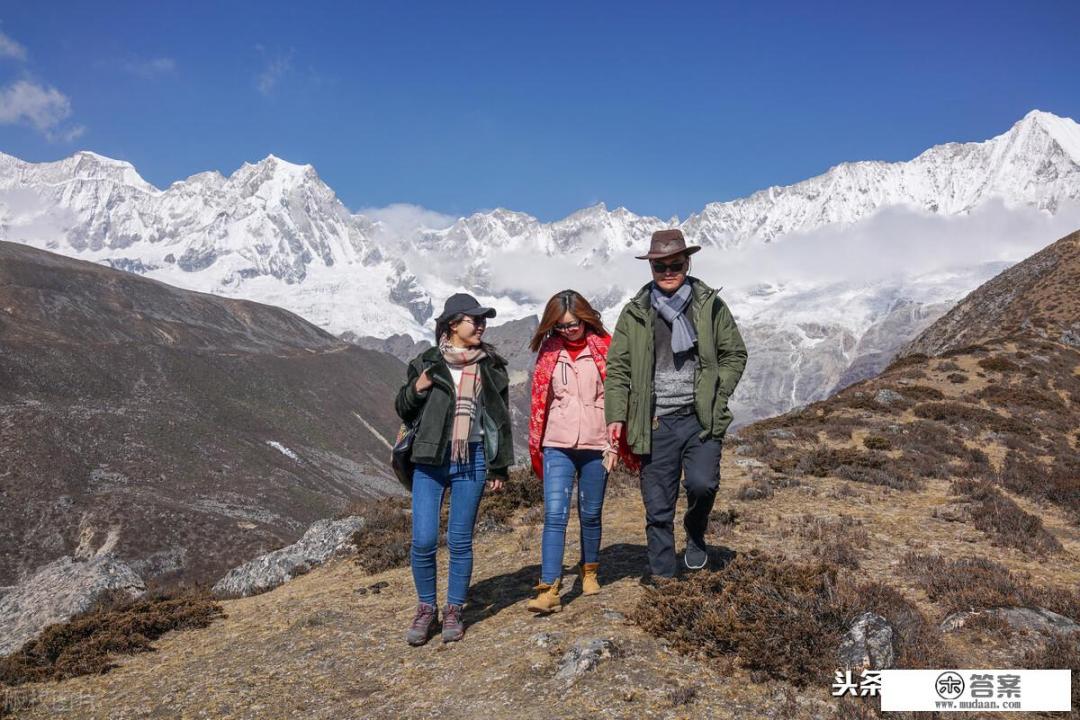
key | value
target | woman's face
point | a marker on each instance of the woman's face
(468, 332)
(570, 328)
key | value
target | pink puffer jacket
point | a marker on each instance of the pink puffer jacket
(576, 404)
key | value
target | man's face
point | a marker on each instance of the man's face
(669, 273)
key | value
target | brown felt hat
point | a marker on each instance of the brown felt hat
(666, 243)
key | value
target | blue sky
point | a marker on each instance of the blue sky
(543, 108)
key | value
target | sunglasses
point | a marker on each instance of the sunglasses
(675, 267)
(476, 322)
(568, 327)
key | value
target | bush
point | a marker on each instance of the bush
(975, 583)
(957, 378)
(384, 541)
(1006, 522)
(83, 644)
(779, 619)
(876, 442)
(522, 490)
(997, 363)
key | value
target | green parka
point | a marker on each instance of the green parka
(628, 389)
(435, 407)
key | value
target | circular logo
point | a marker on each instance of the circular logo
(949, 685)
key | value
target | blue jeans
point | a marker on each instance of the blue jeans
(430, 482)
(560, 467)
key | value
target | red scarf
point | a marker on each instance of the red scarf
(541, 383)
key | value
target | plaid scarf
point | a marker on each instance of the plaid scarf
(467, 392)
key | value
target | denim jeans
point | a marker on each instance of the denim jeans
(430, 482)
(560, 467)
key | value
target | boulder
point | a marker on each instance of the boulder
(583, 656)
(58, 591)
(323, 540)
(868, 644)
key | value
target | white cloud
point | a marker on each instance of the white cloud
(276, 68)
(10, 48)
(43, 108)
(403, 219)
(25, 101)
(893, 242)
(152, 68)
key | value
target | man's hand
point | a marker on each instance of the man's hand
(615, 433)
(423, 382)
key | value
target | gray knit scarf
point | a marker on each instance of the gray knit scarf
(673, 309)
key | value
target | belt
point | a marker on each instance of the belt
(681, 412)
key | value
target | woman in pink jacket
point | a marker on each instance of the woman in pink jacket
(568, 437)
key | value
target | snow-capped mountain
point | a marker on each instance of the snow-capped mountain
(274, 232)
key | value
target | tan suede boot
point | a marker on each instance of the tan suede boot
(590, 585)
(548, 599)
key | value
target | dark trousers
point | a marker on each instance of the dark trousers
(677, 451)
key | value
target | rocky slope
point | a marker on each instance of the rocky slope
(945, 491)
(189, 432)
(275, 233)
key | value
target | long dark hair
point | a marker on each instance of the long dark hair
(442, 327)
(567, 301)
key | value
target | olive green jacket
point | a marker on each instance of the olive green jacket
(628, 389)
(435, 408)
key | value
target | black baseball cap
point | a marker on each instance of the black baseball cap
(465, 304)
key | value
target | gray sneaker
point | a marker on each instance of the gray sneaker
(453, 629)
(696, 556)
(420, 630)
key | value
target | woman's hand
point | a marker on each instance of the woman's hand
(495, 484)
(423, 382)
(615, 433)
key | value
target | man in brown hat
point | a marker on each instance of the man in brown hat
(676, 356)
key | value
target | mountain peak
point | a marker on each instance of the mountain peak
(1064, 131)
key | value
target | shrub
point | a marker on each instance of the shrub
(83, 645)
(975, 583)
(1006, 522)
(1062, 651)
(384, 541)
(997, 363)
(957, 378)
(779, 619)
(876, 442)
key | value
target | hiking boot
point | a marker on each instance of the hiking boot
(420, 630)
(590, 584)
(548, 600)
(696, 556)
(453, 629)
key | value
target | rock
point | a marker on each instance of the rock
(744, 449)
(614, 616)
(868, 644)
(546, 639)
(58, 591)
(780, 434)
(749, 463)
(888, 397)
(1071, 336)
(584, 656)
(954, 512)
(322, 541)
(1037, 620)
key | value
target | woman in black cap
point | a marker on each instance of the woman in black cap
(458, 390)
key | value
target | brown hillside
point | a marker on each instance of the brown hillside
(1039, 296)
(141, 416)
